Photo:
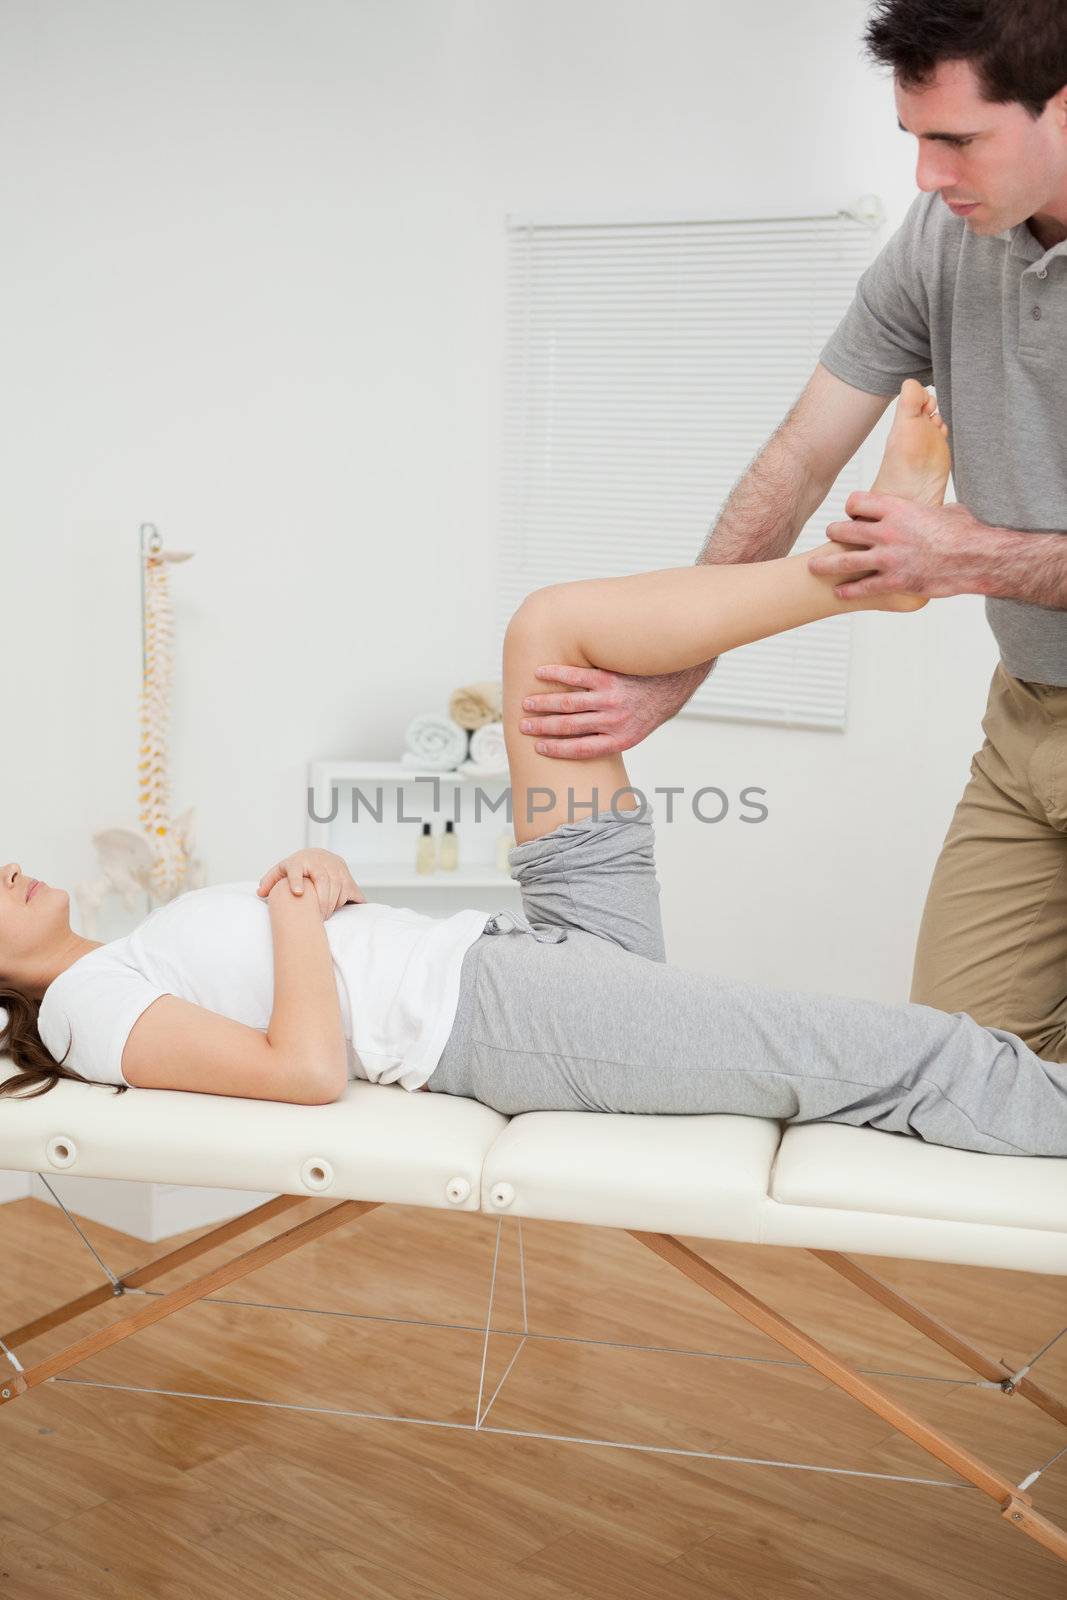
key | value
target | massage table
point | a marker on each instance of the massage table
(826, 1188)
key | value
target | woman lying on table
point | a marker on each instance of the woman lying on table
(284, 991)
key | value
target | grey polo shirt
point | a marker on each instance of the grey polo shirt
(985, 320)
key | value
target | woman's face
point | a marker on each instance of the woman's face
(33, 918)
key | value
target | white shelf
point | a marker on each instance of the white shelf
(398, 875)
(380, 852)
(390, 772)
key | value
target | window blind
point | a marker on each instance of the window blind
(646, 365)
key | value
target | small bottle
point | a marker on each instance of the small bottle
(448, 848)
(424, 851)
(504, 845)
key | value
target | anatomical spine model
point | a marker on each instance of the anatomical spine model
(158, 860)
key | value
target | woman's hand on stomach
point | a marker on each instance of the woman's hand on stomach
(333, 883)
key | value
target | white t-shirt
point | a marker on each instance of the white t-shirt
(397, 974)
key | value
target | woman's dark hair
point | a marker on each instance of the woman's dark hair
(20, 1039)
(1018, 48)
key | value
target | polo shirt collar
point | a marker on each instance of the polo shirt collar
(1022, 243)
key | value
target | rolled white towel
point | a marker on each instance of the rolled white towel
(488, 753)
(434, 742)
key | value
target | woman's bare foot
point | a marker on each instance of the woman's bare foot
(915, 466)
(916, 462)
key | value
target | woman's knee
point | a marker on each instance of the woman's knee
(544, 613)
(542, 631)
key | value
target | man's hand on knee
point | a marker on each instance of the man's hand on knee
(603, 713)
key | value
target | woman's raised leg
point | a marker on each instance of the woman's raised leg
(653, 622)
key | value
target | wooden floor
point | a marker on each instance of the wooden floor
(147, 1497)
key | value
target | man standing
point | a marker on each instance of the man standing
(971, 294)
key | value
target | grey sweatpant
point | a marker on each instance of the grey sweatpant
(575, 1009)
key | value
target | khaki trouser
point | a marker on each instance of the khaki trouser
(993, 937)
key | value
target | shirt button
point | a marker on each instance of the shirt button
(1035, 312)
(1042, 272)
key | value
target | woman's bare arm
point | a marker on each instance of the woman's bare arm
(301, 1058)
(305, 1024)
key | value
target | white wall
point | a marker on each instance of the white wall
(254, 272)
